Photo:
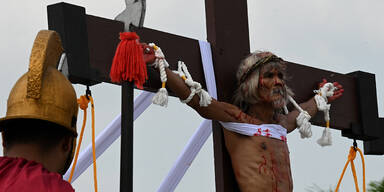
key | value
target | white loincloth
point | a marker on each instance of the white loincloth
(267, 130)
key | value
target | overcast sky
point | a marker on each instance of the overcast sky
(342, 36)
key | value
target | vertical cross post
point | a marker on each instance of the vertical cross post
(126, 154)
(227, 31)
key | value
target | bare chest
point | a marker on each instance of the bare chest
(259, 162)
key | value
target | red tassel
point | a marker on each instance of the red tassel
(128, 63)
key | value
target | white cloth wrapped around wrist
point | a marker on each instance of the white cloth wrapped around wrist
(195, 87)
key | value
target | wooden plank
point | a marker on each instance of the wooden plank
(376, 146)
(103, 37)
(342, 118)
(103, 40)
(344, 111)
(70, 22)
(366, 105)
(90, 52)
(175, 48)
(90, 43)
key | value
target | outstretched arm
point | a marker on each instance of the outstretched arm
(220, 111)
(310, 106)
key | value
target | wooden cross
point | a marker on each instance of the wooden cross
(90, 43)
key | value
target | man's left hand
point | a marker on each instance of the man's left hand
(338, 91)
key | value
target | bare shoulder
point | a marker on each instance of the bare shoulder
(240, 116)
(283, 120)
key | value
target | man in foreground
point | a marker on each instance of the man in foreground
(39, 130)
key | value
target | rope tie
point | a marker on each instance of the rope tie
(83, 102)
(161, 97)
(302, 120)
(322, 105)
(351, 157)
(195, 87)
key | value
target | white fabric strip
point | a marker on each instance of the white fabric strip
(185, 159)
(201, 135)
(108, 136)
(267, 130)
(209, 73)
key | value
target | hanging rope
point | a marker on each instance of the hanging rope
(161, 97)
(93, 143)
(83, 104)
(321, 99)
(351, 157)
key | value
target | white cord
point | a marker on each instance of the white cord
(161, 97)
(321, 99)
(302, 120)
(195, 87)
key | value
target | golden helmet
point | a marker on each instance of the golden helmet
(43, 92)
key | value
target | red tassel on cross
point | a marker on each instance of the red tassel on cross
(128, 63)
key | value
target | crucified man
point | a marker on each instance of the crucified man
(260, 161)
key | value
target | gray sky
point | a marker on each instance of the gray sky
(342, 36)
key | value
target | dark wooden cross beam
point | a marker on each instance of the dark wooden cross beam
(90, 43)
